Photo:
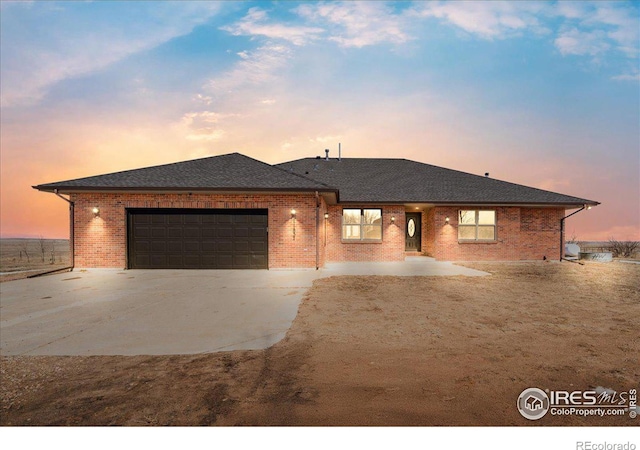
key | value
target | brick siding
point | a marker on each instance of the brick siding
(390, 249)
(102, 241)
(522, 234)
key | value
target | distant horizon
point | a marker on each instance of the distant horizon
(542, 94)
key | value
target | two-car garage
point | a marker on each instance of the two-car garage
(197, 238)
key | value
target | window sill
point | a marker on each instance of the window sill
(476, 242)
(363, 241)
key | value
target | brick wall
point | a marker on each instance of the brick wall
(428, 232)
(102, 241)
(522, 234)
(390, 249)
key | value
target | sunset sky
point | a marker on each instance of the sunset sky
(543, 94)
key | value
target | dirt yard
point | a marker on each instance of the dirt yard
(372, 351)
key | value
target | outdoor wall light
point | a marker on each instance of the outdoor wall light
(588, 207)
(96, 211)
(293, 216)
(446, 220)
(393, 219)
(326, 215)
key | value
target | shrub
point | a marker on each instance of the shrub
(624, 249)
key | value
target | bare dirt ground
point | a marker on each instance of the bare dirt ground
(20, 258)
(372, 351)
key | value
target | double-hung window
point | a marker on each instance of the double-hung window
(361, 224)
(474, 225)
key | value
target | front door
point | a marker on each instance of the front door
(413, 240)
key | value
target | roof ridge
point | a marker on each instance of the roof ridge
(303, 177)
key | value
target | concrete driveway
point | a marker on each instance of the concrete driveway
(160, 312)
(152, 312)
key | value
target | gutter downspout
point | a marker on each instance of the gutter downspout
(72, 238)
(562, 231)
(71, 241)
(317, 231)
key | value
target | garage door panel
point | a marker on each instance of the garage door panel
(141, 231)
(208, 231)
(258, 247)
(191, 261)
(255, 232)
(174, 260)
(205, 239)
(241, 231)
(258, 261)
(241, 260)
(158, 260)
(143, 219)
(142, 247)
(224, 262)
(158, 232)
(208, 247)
(158, 247)
(174, 247)
(191, 246)
(191, 232)
(241, 246)
(142, 261)
(238, 219)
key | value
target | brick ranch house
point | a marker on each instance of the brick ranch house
(234, 212)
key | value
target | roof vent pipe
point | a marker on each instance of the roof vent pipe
(486, 174)
(326, 151)
(339, 151)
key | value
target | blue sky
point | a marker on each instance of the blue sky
(545, 94)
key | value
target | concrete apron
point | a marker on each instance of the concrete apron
(163, 312)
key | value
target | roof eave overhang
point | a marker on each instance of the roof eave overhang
(155, 190)
(566, 205)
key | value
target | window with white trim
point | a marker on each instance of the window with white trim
(476, 225)
(361, 224)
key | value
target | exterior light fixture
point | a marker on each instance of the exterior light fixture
(293, 216)
(96, 211)
(326, 215)
(393, 219)
(446, 220)
(588, 207)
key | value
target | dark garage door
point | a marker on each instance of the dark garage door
(197, 239)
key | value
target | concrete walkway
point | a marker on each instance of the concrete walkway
(412, 266)
(157, 312)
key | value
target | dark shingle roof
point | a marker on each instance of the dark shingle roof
(402, 181)
(367, 180)
(226, 172)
